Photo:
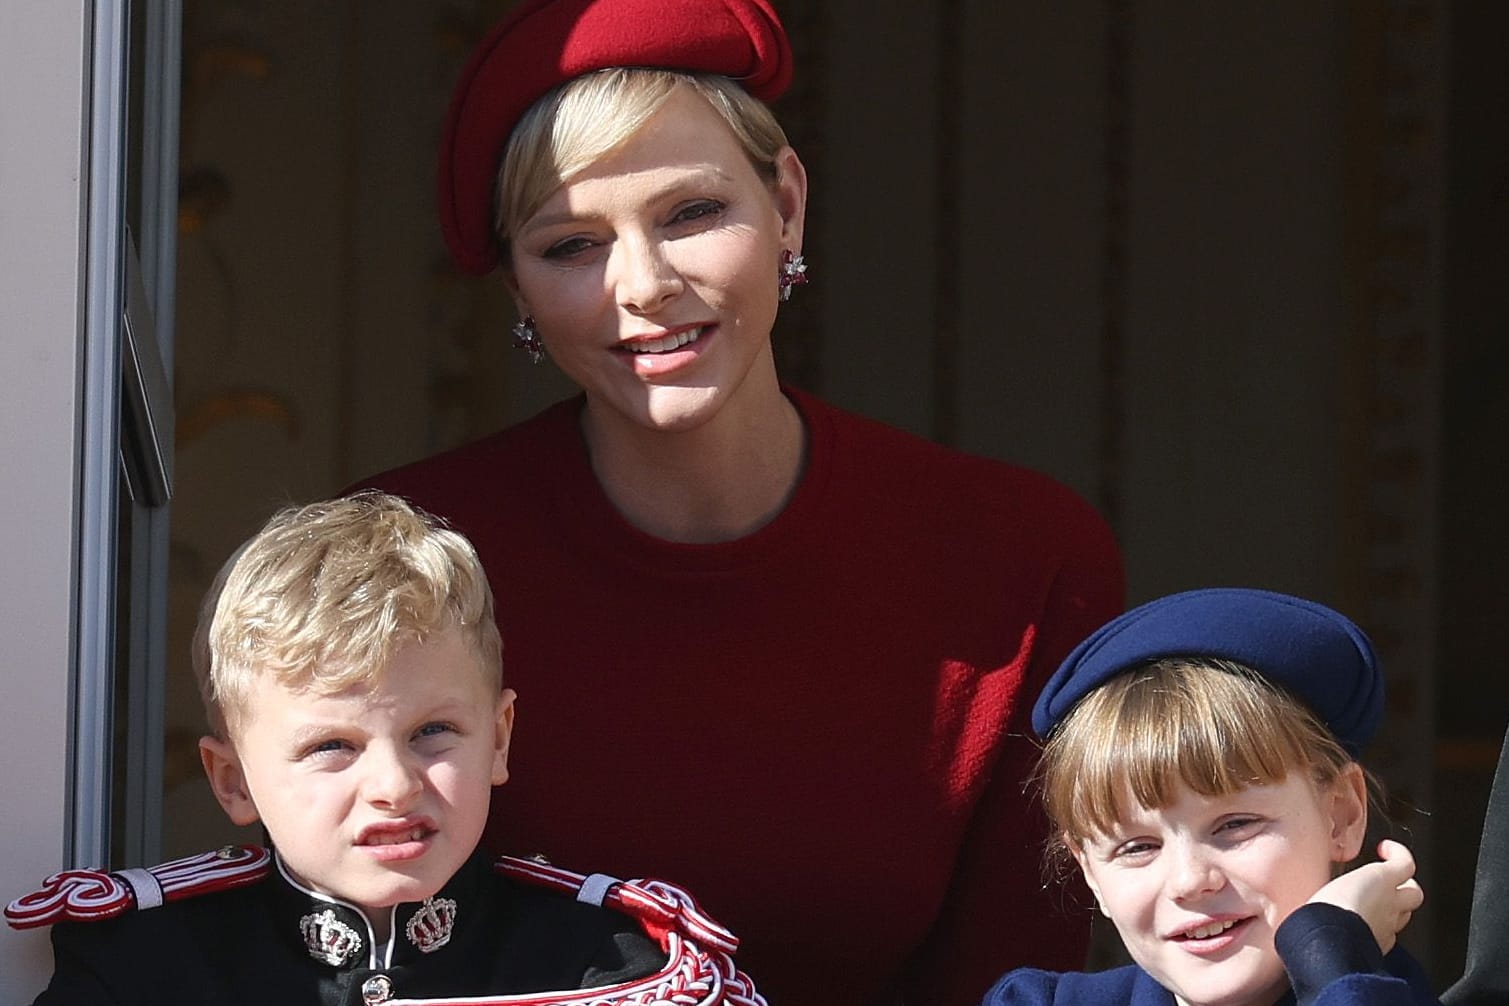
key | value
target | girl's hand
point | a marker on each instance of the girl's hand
(1384, 893)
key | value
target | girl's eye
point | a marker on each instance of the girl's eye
(696, 211)
(1236, 823)
(1136, 847)
(435, 729)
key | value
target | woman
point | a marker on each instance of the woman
(767, 649)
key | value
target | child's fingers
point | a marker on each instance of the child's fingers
(1397, 861)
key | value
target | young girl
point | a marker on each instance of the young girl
(1200, 769)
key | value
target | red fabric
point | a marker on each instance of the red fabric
(544, 43)
(820, 728)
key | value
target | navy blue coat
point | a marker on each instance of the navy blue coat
(1328, 951)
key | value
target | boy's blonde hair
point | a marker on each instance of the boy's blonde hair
(1215, 726)
(322, 596)
(589, 116)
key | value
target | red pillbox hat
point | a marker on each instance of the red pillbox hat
(544, 43)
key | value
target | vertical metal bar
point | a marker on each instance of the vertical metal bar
(147, 691)
(89, 831)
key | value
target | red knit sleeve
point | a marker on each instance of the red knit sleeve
(1000, 913)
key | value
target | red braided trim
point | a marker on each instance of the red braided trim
(691, 977)
(661, 908)
(90, 895)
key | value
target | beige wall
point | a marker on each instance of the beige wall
(42, 119)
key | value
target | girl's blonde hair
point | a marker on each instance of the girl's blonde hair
(323, 595)
(1212, 725)
(589, 116)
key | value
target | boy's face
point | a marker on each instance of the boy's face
(1197, 889)
(378, 794)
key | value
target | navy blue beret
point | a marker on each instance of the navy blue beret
(1315, 653)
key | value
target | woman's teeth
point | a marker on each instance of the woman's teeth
(666, 343)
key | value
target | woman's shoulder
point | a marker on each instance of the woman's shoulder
(950, 486)
(490, 458)
(863, 441)
(1125, 986)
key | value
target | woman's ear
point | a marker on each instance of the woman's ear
(227, 780)
(1349, 813)
(791, 197)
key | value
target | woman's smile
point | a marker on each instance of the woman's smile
(666, 251)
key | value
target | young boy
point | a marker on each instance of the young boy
(351, 672)
(1200, 769)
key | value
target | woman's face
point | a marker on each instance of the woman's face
(652, 274)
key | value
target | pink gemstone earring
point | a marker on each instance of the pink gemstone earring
(527, 337)
(793, 273)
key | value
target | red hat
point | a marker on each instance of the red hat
(543, 43)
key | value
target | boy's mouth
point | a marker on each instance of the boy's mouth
(395, 834)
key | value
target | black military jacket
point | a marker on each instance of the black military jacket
(273, 942)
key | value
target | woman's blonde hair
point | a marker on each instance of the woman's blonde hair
(323, 595)
(590, 116)
(1212, 725)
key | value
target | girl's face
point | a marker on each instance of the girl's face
(652, 275)
(1198, 888)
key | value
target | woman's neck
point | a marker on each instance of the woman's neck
(717, 482)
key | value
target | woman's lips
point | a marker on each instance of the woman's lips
(659, 355)
(666, 343)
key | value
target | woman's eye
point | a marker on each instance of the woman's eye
(696, 211)
(568, 248)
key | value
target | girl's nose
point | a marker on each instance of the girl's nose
(1193, 871)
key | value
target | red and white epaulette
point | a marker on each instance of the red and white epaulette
(91, 895)
(699, 968)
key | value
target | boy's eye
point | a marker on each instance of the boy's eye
(328, 746)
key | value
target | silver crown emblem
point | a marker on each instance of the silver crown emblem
(430, 928)
(329, 939)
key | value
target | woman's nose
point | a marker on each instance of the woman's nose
(643, 279)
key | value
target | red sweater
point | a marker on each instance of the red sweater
(821, 728)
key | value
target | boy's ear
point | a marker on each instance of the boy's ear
(502, 734)
(223, 768)
(1349, 813)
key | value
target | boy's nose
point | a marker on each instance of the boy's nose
(390, 780)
